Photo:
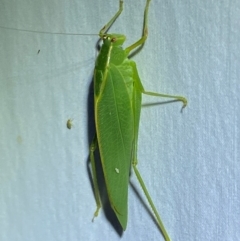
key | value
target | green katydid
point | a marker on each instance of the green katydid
(117, 104)
(117, 98)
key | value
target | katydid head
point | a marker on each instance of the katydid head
(113, 39)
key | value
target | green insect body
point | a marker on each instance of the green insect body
(69, 123)
(117, 103)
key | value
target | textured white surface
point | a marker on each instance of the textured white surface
(190, 161)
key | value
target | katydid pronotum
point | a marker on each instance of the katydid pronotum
(117, 104)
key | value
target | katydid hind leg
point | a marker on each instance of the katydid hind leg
(93, 147)
(138, 90)
(158, 219)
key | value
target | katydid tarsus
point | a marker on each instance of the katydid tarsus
(117, 104)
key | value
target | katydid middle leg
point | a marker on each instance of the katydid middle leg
(92, 148)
